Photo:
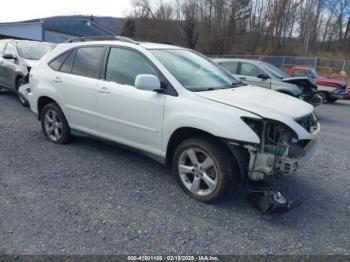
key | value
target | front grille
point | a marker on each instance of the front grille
(309, 122)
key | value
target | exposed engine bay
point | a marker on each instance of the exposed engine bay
(278, 154)
(280, 151)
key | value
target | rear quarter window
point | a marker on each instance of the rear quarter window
(58, 61)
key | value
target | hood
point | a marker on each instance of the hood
(262, 102)
(332, 82)
(30, 62)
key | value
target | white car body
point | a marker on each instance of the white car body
(147, 120)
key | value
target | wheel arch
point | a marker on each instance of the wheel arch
(18, 77)
(42, 102)
(183, 133)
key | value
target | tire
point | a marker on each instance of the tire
(22, 100)
(331, 99)
(199, 182)
(324, 96)
(54, 125)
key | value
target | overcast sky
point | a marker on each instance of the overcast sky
(17, 10)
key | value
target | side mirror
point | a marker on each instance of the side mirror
(9, 56)
(148, 83)
(263, 76)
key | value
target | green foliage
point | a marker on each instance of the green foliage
(129, 28)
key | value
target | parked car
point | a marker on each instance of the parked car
(176, 106)
(17, 57)
(330, 90)
(265, 75)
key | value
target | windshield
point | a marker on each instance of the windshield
(33, 51)
(193, 71)
(276, 71)
(313, 74)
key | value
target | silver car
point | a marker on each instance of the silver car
(265, 75)
(17, 57)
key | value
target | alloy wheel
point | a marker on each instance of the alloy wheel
(53, 125)
(198, 172)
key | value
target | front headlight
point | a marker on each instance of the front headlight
(272, 132)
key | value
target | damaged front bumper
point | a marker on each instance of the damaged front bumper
(263, 164)
(280, 152)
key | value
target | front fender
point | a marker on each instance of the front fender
(286, 88)
(218, 120)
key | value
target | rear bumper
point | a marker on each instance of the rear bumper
(32, 103)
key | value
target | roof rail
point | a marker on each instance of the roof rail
(101, 38)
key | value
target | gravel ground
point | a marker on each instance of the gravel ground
(94, 198)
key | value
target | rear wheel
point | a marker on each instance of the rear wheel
(55, 125)
(204, 168)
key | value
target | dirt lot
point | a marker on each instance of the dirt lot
(94, 198)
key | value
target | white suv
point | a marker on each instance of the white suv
(176, 106)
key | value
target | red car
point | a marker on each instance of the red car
(330, 90)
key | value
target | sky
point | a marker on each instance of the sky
(19, 10)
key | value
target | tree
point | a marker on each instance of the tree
(129, 28)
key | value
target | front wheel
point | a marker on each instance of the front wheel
(323, 96)
(204, 168)
(55, 125)
(331, 99)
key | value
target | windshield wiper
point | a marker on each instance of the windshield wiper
(238, 84)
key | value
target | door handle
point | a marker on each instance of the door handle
(58, 80)
(104, 90)
(243, 78)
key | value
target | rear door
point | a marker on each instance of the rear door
(76, 79)
(248, 73)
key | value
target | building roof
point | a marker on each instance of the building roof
(35, 29)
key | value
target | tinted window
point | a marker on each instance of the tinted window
(230, 66)
(124, 65)
(87, 60)
(248, 69)
(57, 62)
(67, 65)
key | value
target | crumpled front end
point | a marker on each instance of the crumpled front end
(280, 152)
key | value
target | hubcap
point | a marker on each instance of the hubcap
(197, 172)
(53, 125)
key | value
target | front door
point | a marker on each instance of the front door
(125, 114)
(248, 73)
